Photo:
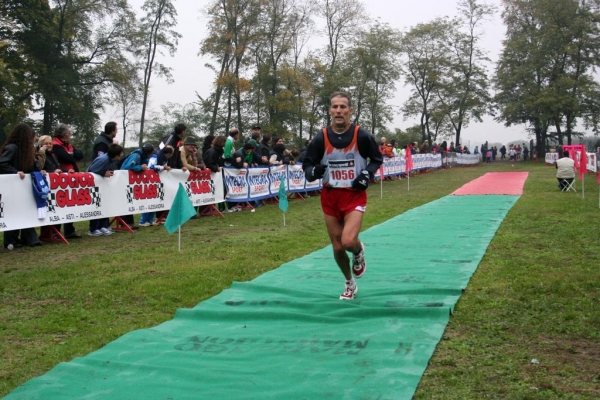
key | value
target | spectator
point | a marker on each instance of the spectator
(174, 139)
(476, 151)
(67, 156)
(157, 162)
(525, 152)
(45, 158)
(206, 143)
(213, 158)
(229, 148)
(276, 155)
(102, 165)
(245, 157)
(302, 155)
(264, 149)
(17, 156)
(104, 140)
(565, 171)
(289, 156)
(425, 148)
(488, 156)
(512, 154)
(190, 158)
(137, 161)
(386, 149)
(502, 152)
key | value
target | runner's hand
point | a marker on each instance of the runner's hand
(362, 180)
(318, 171)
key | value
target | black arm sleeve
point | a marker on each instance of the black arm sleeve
(314, 152)
(6, 160)
(62, 155)
(369, 150)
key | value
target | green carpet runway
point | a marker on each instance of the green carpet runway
(285, 335)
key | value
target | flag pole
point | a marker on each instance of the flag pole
(179, 228)
(283, 219)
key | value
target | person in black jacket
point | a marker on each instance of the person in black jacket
(213, 158)
(264, 149)
(104, 140)
(175, 140)
(17, 156)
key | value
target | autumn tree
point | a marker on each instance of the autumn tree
(463, 94)
(373, 62)
(157, 33)
(544, 77)
(425, 62)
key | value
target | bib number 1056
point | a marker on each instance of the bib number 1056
(342, 175)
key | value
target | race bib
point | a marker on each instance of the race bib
(341, 173)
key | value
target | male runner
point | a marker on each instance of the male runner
(346, 157)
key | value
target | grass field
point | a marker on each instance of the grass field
(527, 327)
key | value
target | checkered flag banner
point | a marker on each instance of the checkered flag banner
(130, 194)
(212, 186)
(96, 197)
(1, 207)
(188, 189)
(161, 191)
(51, 202)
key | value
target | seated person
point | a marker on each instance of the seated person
(565, 173)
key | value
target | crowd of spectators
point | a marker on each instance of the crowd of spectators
(177, 151)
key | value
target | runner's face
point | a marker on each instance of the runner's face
(340, 113)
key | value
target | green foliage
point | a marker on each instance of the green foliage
(544, 77)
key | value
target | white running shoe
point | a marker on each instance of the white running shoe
(106, 231)
(97, 232)
(359, 265)
(349, 291)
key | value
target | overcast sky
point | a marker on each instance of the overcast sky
(191, 76)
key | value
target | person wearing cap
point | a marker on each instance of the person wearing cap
(191, 160)
(137, 161)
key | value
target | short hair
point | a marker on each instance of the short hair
(566, 154)
(180, 128)
(110, 127)
(345, 95)
(114, 150)
(255, 135)
(266, 138)
(220, 141)
(43, 138)
(167, 150)
(61, 130)
(234, 131)
(249, 146)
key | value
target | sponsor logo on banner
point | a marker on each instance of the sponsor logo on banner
(199, 182)
(236, 184)
(144, 186)
(72, 190)
(259, 183)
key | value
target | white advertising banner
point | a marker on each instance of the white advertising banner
(84, 196)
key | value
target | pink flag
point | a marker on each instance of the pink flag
(582, 162)
(408, 158)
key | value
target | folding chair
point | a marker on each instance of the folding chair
(567, 185)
